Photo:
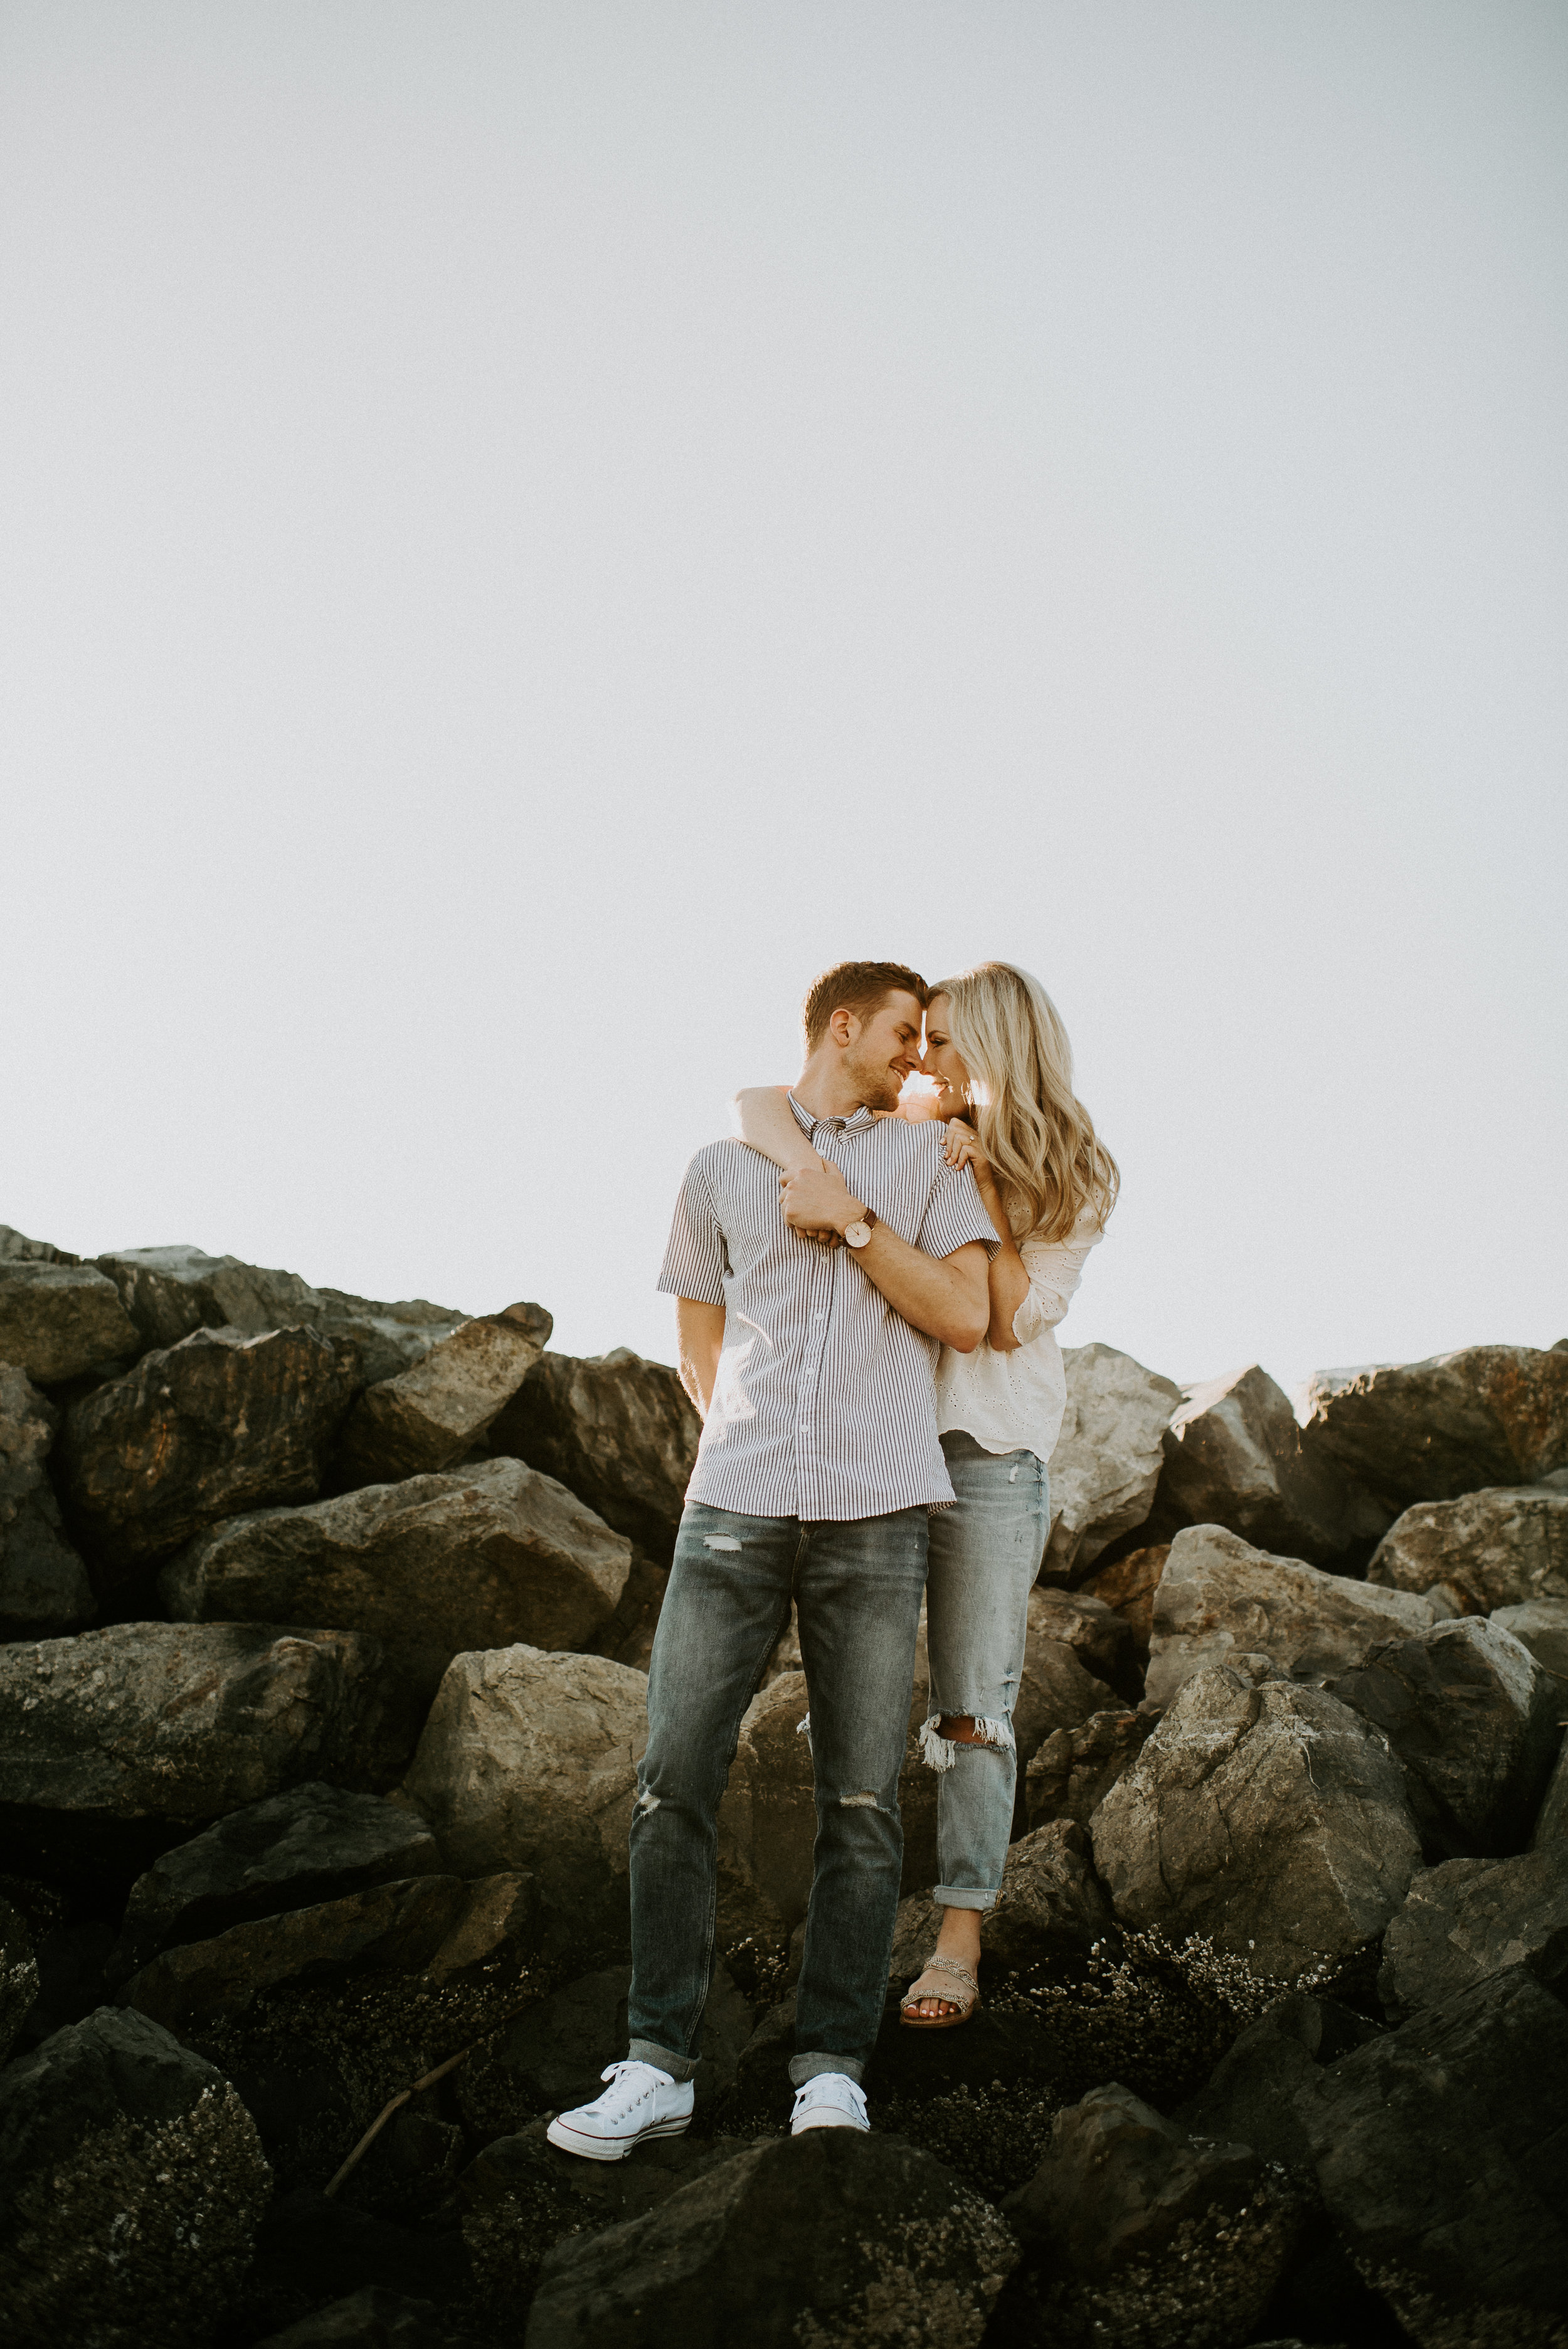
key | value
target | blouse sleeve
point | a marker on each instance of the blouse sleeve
(1054, 1268)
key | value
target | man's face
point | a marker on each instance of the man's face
(883, 1049)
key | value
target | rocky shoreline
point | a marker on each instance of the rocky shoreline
(324, 1627)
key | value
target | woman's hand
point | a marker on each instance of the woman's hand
(962, 1148)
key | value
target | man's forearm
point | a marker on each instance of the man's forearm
(943, 1296)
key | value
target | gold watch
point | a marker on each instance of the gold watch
(857, 1234)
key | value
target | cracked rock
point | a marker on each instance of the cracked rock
(113, 1741)
(1496, 1549)
(1218, 1598)
(430, 1414)
(1474, 1719)
(1472, 1917)
(1270, 1819)
(618, 1431)
(58, 1320)
(293, 1850)
(218, 1423)
(1431, 1431)
(1233, 1458)
(388, 1928)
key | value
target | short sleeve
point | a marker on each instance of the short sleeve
(696, 1260)
(955, 1214)
(1054, 1268)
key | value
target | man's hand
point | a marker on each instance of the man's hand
(817, 1200)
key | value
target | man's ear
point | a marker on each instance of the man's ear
(842, 1025)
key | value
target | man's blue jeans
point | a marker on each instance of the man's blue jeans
(857, 1588)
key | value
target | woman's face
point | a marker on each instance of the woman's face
(940, 1061)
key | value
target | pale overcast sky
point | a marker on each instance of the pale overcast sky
(531, 529)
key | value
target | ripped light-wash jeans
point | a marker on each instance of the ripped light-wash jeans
(985, 1557)
(857, 1589)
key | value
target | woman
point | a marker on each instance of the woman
(1000, 1057)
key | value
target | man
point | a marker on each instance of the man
(819, 1461)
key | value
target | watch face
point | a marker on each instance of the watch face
(857, 1235)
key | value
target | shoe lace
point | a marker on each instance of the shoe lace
(624, 2090)
(833, 2088)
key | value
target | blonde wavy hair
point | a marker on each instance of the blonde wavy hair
(1050, 1162)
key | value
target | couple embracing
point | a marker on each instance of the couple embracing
(866, 1303)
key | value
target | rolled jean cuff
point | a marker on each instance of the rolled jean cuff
(810, 2067)
(680, 2067)
(961, 1896)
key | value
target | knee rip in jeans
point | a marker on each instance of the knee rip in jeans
(859, 1803)
(648, 1802)
(941, 1752)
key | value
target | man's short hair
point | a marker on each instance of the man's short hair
(858, 987)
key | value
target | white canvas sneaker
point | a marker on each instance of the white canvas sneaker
(832, 2100)
(640, 2102)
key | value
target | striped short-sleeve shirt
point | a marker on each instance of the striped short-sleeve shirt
(825, 1401)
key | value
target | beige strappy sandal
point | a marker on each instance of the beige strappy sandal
(912, 2022)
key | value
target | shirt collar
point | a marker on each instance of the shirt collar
(856, 1125)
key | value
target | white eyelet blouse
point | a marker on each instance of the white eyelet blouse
(1015, 1402)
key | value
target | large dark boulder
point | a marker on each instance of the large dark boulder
(1472, 1917)
(1233, 1458)
(1494, 1548)
(478, 1557)
(1251, 2094)
(389, 1929)
(43, 1585)
(431, 1414)
(60, 1320)
(1218, 1598)
(1134, 2232)
(1429, 1431)
(1442, 2153)
(119, 1743)
(218, 1423)
(619, 1431)
(167, 1292)
(311, 1844)
(1474, 1719)
(1268, 1817)
(832, 2237)
(520, 2197)
(131, 2185)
